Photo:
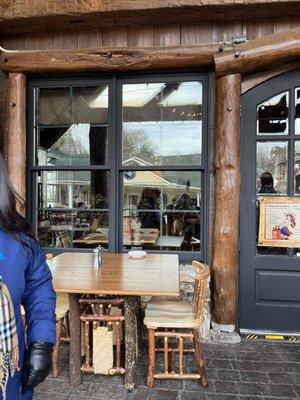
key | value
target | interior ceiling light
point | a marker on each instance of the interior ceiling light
(134, 95)
(188, 93)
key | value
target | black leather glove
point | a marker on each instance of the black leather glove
(37, 366)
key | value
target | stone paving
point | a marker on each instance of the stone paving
(249, 370)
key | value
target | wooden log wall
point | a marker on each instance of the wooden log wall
(149, 35)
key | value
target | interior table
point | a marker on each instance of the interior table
(74, 273)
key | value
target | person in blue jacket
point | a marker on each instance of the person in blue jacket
(25, 279)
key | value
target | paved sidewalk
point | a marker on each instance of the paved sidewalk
(250, 370)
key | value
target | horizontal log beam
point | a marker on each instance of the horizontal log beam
(40, 15)
(260, 54)
(107, 60)
(11, 9)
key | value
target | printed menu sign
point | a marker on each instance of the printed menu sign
(279, 221)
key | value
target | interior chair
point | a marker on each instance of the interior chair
(62, 323)
(171, 321)
(102, 327)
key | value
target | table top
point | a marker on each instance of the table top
(136, 240)
(154, 275)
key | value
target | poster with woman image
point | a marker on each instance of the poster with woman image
(279, 221)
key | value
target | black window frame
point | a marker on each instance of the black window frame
(114, 162)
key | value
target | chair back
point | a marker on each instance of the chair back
(201, 278)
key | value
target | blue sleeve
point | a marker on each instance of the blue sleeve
(39, 298)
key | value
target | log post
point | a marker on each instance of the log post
(16, 141)
(227, 170)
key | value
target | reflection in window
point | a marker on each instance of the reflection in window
(161, 210)
(72, 208)
(72, 126)
(297, 167)
(79, 144)
(272, 159)
(162, 123)
(54, 106)
(272, 115)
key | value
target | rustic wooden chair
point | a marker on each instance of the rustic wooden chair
(62, 320)
(106, 314)
(180, 321)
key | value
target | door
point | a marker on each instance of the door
(270, 145)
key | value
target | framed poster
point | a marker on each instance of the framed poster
(279, 221)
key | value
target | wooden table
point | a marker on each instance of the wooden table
(138, 239)
(73, 273)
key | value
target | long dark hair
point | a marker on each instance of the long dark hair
(11, 222)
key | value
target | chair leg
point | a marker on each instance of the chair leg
(55, 354)
(67, 326)
(151, 357)
(199, 358)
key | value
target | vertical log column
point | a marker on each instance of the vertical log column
(16, 141)
(226, 229)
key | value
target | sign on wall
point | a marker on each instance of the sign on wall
(279, 221)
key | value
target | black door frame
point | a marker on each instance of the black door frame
(254, 314)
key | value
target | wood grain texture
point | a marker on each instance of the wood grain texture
(130, 316)
(157, 274)
(196, 33)
(3, 112)
(115, 37)
(108, 59)
(260, 54)
(90, 39)
(141, 36)
(37, 16)
(75, 341)
(227, 171)
(166, 35)
(16, 144)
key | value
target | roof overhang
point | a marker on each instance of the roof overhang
(40, 16)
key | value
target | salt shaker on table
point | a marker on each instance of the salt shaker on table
(98, 260)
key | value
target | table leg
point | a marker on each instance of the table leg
(75, 340)
(130, 308)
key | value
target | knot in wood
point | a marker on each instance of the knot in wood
(13, 104)
(236, 54)
(109, 54)
(229, 108)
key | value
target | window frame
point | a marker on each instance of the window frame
(114, 163)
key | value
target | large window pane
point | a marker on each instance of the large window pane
(72, 126)
(297, 167)
(161, 210)
(73, 208)
(162, 123)
(272, 167)
(77, 144)
(272, 115)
